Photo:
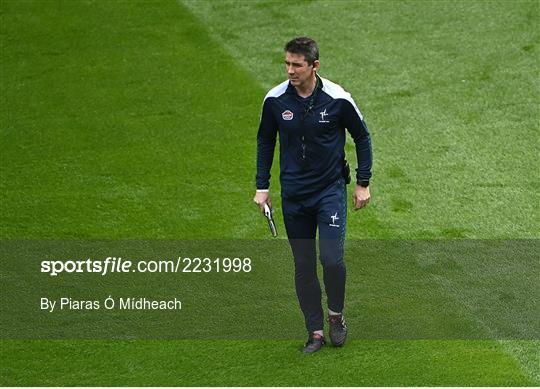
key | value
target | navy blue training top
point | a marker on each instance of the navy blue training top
(311, 141)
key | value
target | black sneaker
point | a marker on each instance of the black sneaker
(314, 343)
(338, 330)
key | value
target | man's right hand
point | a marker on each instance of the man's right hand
(262, 198)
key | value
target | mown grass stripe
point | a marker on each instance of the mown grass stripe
(258, 363)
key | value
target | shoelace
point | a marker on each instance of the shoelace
(337, 319)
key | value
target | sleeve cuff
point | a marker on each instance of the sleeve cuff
(263, 190)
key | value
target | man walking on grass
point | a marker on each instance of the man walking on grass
(310, 114)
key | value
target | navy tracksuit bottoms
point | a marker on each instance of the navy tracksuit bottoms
(327, 211)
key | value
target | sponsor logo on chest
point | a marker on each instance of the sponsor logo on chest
(287, 115)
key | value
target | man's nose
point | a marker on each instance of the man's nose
(290, 69)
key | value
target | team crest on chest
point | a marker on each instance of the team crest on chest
(287, 115)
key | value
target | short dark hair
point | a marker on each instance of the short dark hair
(305, 46)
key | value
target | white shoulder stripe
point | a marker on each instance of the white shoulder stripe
(277, 90)
(335, 91)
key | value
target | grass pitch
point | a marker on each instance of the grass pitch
(137, 120)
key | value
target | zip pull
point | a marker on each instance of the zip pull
(303, 148)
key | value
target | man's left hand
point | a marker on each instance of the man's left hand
(360, 197)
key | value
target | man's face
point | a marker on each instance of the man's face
(298, 70)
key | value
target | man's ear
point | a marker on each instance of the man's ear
(316, 64)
